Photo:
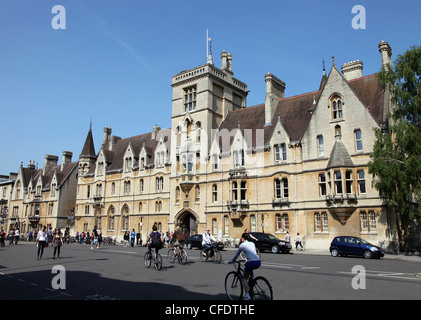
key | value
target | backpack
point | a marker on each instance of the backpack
(155, 239)
(180, 236)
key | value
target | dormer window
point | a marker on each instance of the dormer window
(128, 164)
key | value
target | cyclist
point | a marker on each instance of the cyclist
(207, 241)
(178, 239)
(154, 240)
(252, 260)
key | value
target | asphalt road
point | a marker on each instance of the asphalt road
(118, 273)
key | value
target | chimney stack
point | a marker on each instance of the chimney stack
(224, 58)
(386, 52)
(50, 161)
(113, 141)
(107, 135)
(352, 70)
(155, 131)
(67, 158)
(275, 90)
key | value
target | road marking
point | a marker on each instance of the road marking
(394, 275)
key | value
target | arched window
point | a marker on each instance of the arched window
(111, 218)
(336, 106)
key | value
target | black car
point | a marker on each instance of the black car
(348, 245)
(267, 241)
(196, 241)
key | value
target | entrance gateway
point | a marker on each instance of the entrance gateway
(188, 221)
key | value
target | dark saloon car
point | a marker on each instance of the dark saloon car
(347, 245)
(267, 241)
(196, 241)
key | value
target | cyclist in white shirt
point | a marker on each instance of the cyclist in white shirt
(207, 241)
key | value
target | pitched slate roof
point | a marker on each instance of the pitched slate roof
(339, 156)
(370, 92)
(294, 112)
(115, 157)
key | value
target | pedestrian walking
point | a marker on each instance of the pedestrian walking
(11, 236)
(40, 242)
(132, 237)
(288, 237)
(94, 238)
(99, 238)
(298, 242)
(57, 243)
(17, 235)
(126, 239)
(2, 238)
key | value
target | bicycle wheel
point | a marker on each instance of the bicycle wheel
(233, 286)
(148, 259)
(261, 289)
(171, 256)
(158, 262)
(203, 258)
(217, 256)
(182, 258)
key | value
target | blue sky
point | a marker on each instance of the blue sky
(114, 61)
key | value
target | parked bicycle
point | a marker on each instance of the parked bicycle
(109, 241)
(213, 253)
(181, 255)
(259, 287)
(154, 258)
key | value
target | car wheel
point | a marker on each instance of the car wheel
(189, 246)
(367, 254)
(334, 252)
(275, 249)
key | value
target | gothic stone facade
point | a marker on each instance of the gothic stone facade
(296, 164)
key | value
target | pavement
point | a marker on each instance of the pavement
(388, 256)
(415, 257)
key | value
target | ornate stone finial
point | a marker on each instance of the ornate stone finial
(333, 61)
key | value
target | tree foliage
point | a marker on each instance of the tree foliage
(396, 158)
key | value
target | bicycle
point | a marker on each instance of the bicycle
(213, 252)
(259, 287)
(155, 258)
(181, 255)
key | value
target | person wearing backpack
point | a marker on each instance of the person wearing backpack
(154, 240)
(178, 239)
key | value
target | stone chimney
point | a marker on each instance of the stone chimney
(50, 161)
(107, 135)
(155, 131)
(67, 158)
(113, 141)
(352, 70)
(229, 62)
(224, 58)
(31, 165)
(275, 90)
(386, 52)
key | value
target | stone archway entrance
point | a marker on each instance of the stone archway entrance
(188, 221)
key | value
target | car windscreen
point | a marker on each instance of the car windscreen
(272, 237)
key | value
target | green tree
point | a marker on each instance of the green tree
(396, 159)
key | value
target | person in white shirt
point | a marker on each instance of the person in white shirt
(252, 260)
(207, 240)
(41, 238)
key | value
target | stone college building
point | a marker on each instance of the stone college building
(291, 164)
